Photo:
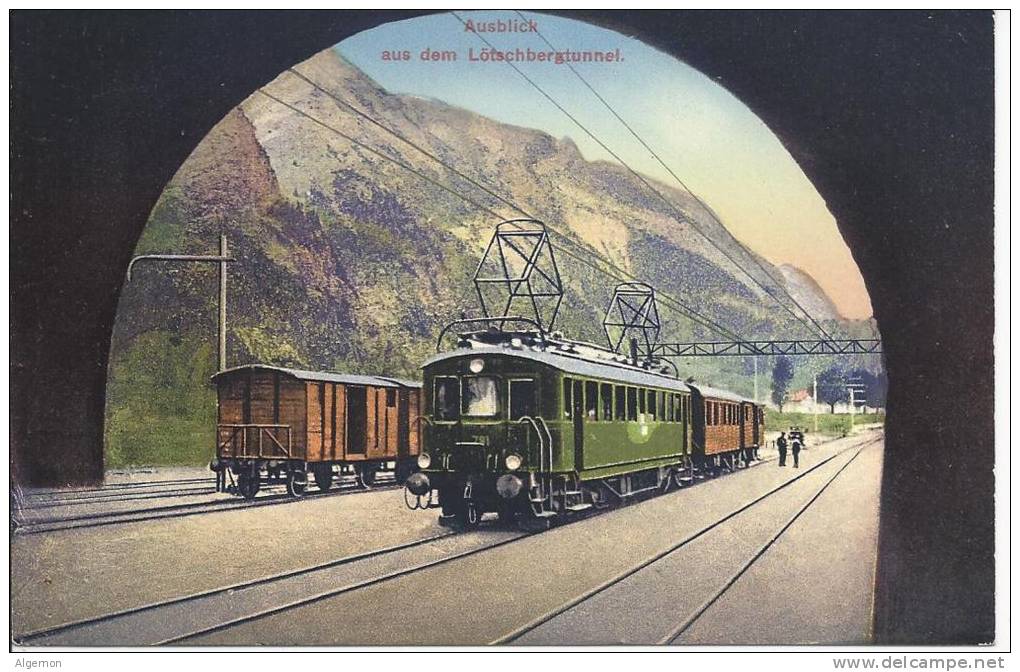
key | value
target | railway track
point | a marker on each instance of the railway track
(172, 621)
(185, 620)
(30, 503)
(276, 496)
(114, 487)
(604, 601)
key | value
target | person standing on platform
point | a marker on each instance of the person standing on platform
(781, 445)
(796, 453)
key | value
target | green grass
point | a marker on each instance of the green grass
(829, 424)
(161, 407)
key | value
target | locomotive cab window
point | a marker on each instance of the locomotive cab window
(522, 398)
(479, 396)
(447, 398)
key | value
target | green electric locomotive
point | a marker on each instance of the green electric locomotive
(529, 424)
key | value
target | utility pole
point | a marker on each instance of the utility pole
(756, 380)
(854, 386)
(222, 259)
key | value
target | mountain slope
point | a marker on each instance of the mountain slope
(348, 261)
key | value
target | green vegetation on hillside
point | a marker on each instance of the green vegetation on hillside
(174, 420)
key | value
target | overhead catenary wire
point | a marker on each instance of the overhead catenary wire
(676, 212)
(615, 272)
(682, 185)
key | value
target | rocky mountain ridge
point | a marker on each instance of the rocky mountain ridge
(348, 261)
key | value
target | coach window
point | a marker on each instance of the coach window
(606, 390)
(591, 400)
(662, 405)
(652, 394)
(447, 398)
(631, 404)
(641, 401)
(479, 396)
(522, 398)
(621, 402)
(391, 398)
(568, 400)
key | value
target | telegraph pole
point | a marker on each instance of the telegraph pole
(854, 386)
(756, 380)
(222, 259)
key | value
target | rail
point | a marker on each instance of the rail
(260, 430)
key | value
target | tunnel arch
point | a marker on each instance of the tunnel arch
(868, 105)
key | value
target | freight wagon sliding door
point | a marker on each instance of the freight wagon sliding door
(316, 418)
(357, 421)
(325, 435)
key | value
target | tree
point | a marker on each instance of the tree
(874, 387)
(832, 387)
(782, 374)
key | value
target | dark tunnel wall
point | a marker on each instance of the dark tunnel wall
(889, 114)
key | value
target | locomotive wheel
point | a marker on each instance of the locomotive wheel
(678, 478)
(323, 474)
(297, 481)
(248, 484)
(507, 513)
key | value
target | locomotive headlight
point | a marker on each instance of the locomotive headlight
(513, 462)
(424, 460)
(476, 365)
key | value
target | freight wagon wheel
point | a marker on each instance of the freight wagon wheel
(297, 481)
(247, 484)
(367, 474)
(323, 474)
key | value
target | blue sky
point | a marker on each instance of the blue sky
(711, 140)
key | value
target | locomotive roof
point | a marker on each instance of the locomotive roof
(324, 376)
(591, 368)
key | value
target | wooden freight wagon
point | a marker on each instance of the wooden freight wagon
(282, 425)
(726, 426)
